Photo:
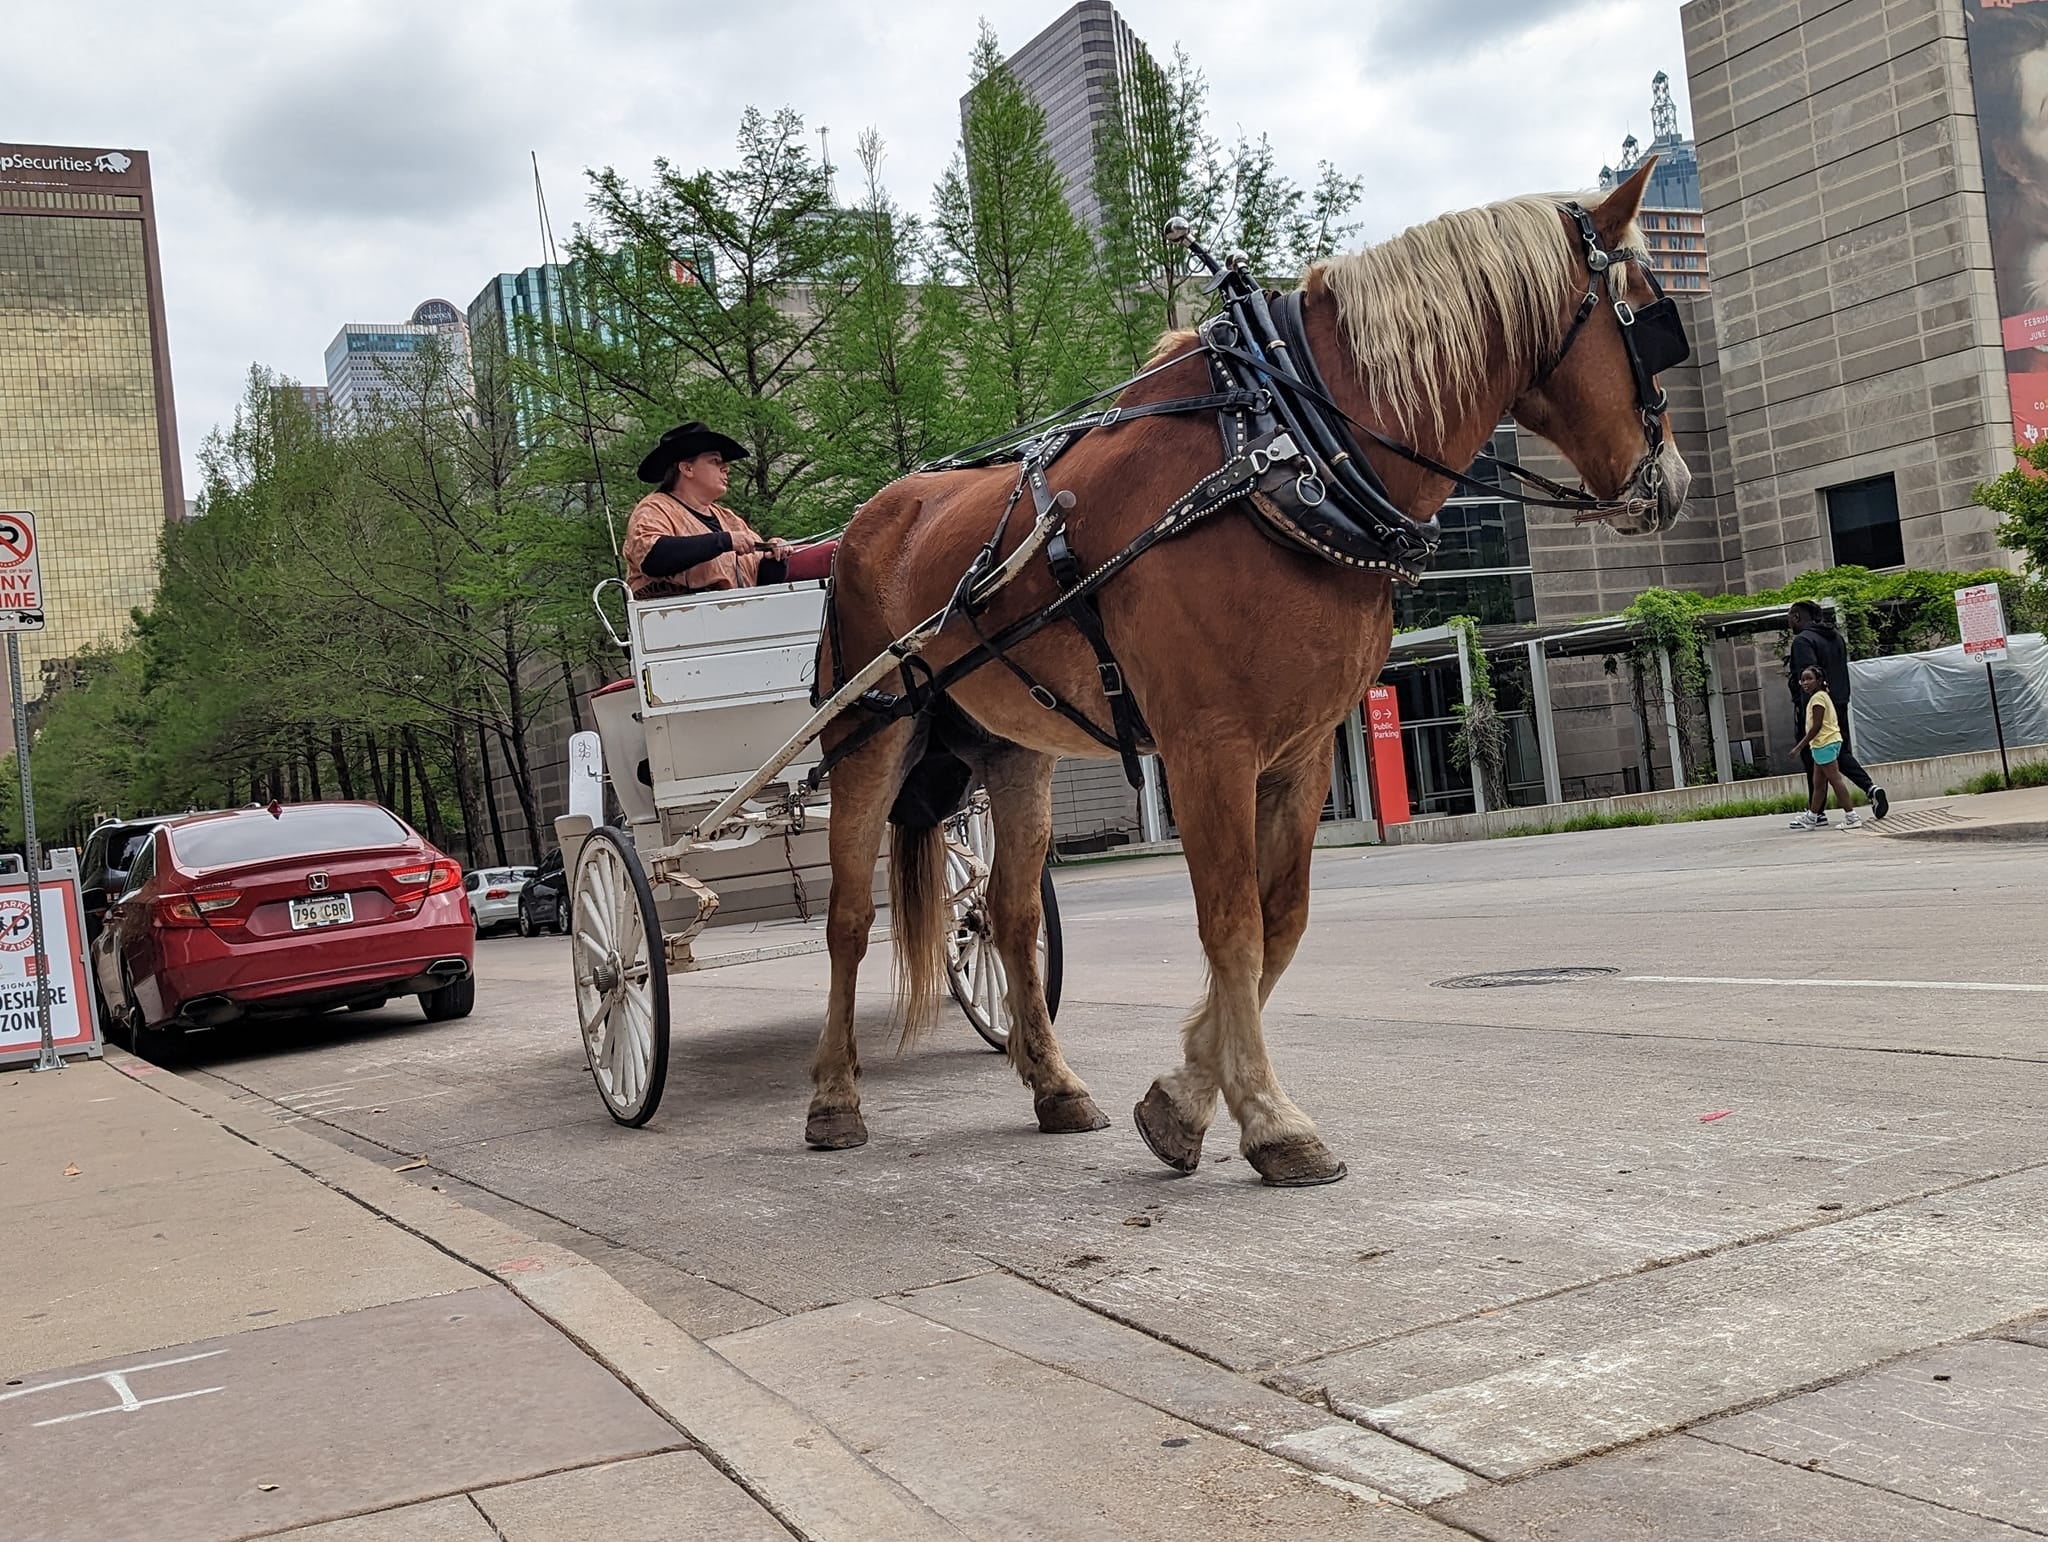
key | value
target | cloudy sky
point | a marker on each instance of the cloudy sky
(341, 161)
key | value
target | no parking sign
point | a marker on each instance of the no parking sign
(21, 574)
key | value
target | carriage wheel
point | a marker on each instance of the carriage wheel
(974, 969)
(621, 977)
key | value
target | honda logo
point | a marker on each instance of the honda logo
(316, 881)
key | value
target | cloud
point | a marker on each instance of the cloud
(1428, 32)
(374, 135)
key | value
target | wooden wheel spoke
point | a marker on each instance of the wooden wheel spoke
(625, 1024)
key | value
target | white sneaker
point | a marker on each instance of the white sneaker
(1850, 821)
(1809, 821)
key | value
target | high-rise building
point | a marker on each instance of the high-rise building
(366, 361)
(1071, 70)
(512, 304)
(1674, 229)
(88, 433)
(512, 314)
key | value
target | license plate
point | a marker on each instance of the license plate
(322, 910)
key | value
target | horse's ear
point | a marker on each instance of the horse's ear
(1617, 211)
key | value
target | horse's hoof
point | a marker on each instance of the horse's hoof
(835, 1129)
(1168, 1135)
(1069, 1113)
(1299, 1162)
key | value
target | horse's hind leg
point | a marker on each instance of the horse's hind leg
(1216, 792)
(863, 788)
(1019, 783)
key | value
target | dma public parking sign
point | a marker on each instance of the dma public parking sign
(21, 574)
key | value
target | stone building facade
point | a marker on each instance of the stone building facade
(1860, 364)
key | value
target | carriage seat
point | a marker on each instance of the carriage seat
(723, 681)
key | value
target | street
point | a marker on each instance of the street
(1580, 1214)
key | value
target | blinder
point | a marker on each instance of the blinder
(1659, 334)
(1653, 337)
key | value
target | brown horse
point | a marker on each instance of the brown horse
(1244, 655)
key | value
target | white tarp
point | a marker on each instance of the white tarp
(1914, 705)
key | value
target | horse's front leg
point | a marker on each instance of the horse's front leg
(1019, 783)
(863, 787)
(1216, 795)
(1291, 798)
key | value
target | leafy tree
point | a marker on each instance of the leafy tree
(1029, 321)
(2021, 495)
(714, 288)
(879, 403)
(1154, 159)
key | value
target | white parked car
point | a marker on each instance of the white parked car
(494, 896)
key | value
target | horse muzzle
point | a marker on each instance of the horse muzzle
(1655, 493)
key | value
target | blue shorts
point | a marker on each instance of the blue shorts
(1826, 754)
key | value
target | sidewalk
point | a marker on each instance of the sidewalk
(204, 1340)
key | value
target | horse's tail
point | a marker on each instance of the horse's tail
(917, 919)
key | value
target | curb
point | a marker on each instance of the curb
(2017, 830)
(792, 1465)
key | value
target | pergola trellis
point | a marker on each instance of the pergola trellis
(1543, 641)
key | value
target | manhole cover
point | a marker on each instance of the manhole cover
(1499, 977)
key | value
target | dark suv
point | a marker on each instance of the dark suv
(544, 902)
(110, 851)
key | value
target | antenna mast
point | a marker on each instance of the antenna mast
(1663, 111)
(552, 258)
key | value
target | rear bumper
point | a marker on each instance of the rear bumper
(262, 981)
(495, 912)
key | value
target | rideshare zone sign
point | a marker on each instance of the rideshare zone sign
(21, 574)
(74, 1025)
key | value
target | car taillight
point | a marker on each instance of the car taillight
(497, 894)
(202, 909)
(416, 883)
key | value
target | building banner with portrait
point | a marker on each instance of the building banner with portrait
(2008, 49)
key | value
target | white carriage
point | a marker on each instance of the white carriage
(706, 748)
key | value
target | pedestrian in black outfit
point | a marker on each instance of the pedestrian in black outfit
(1817, 645)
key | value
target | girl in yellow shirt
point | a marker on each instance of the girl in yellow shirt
(1823, 737)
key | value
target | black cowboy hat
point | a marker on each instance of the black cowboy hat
(684, 442)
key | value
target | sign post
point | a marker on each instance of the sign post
(21, 610)
(1389, 769)
(1980, 614)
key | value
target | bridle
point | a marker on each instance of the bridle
(1653, 337)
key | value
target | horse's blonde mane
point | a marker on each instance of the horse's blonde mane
(1417, 310)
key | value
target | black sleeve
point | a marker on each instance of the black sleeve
(1805, 654)
(674, 554)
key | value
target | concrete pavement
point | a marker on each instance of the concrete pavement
(1677, 1250)
(207, 1338)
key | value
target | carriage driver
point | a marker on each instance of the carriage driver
(681, 540)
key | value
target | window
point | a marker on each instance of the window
(304, 831)
(144, 868)
(1863, 518)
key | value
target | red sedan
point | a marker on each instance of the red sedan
(282, 910)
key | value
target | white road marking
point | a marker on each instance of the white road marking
(1888, 985)
(117, 1383)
